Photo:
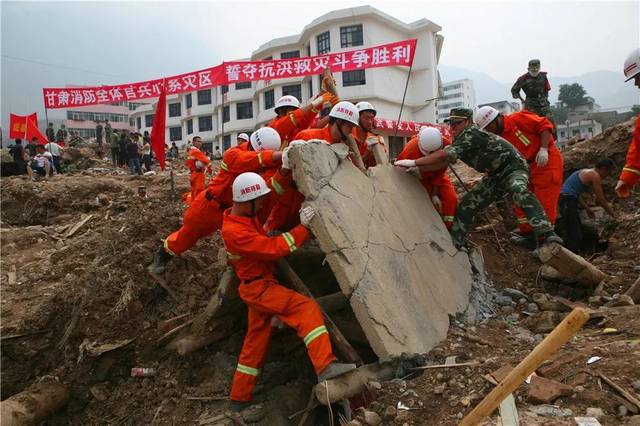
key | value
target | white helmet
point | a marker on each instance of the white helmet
(265, 139)
(345, 111)
(429, 140)
(244, 137)
(632, 65)
(249, 186)
(485, 115)
(287, 101)
(365, 106)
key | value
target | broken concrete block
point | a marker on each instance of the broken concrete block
(545, 391)
(544, 322)
(387, 247)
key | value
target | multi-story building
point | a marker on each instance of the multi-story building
(503, 107)
(218, 115)
(455, 94)
(582, 129)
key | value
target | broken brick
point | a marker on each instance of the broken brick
(545, 391)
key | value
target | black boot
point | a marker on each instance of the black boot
(160, 261)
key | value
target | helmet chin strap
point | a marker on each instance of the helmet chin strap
(343, 137)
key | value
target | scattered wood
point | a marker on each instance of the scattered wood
(25, 334)
(340, 342)
(33, 405)
(227, 289)
(461, 364)
(171, 323)
(558, 337)
(210, 420)
(77, 226)
(569, 264)
(88, 294)
(220, 328)
(634, 291)
(620, 390)
(163, 283)
(171, 333)
(333, 302)
(352, 383)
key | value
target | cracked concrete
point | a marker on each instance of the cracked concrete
(387, 247)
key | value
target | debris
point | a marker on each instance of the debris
(545, 304)
(563, 332)
(620, 390)
(94, 349)
(462, 364)
(33, 405)
(593, 359)
(610, 330)
(551, 411)
(389, 413)
(77, 226)
(99, 392)
(545, 391)
(501, 372)
(621, 300)
(19, 335)
(571, 265)
(143, 372)
(596, 412)
(634, 291)
(353, 382)
(372, 418)
(509, 412)
(543, 322)
(587, 421)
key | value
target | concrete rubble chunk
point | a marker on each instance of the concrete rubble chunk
(387, 247)
(545, 391)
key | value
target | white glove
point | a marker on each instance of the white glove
(306, 215)
(199, 165)
(405, 163)
(285, 158)
(437, 203)
(543, 157)
(298, 142)
(372, 141)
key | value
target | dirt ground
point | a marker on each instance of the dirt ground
(67, 291)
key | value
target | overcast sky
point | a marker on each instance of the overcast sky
(93, 43)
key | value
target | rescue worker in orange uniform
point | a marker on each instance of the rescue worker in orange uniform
(197, 162)
(532, 136)
(204, 216)
(364, 136)
(342, 119)
(437, 183)
(631, 172)
(253, 253)
(291, 118)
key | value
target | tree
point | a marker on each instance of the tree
(635, 109)
(559, 113)
(572, 95)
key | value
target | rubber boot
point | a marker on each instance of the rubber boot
(160, 261)
(334, 369)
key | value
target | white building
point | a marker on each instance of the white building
(455, 94)
(582, 129)
(219, 114)
(504, 107)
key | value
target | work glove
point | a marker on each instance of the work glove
(199, 165)
(325, 97)
(405, 163)
(285, 158)
(306, 215)
(373, 141)
(622, 189)
(437, 203)
(543, 157)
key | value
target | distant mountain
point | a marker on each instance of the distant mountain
(606, 87)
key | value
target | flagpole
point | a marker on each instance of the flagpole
(403, 98)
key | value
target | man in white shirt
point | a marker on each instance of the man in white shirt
(56, 151)
(40, 164)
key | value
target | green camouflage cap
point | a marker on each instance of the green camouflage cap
(459, 114)
(534, 63)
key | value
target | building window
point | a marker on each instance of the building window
(309, 49)
(148, 120)
(226, 142)
(205, 123)
(324, 45)
(590, 130)
(189, 126)
(226, 116)
(269, 100)
(351, 36)
(562, 134)
(244, 110)
(268, 58)
(293, 90)
(174, 110)
(289, 55)
(131, 122)
(224, 89)
(175, 133)
(188, 101)
(310, 88)
(353, 78)
(139, 123)
(245, 85)
(204, 97)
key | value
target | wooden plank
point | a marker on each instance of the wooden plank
(620, 390)
(77, 226)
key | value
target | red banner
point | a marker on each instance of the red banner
(158, 130)
(406, 127)
(399, 53)
(18, 125)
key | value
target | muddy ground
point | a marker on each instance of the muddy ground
(66, 292)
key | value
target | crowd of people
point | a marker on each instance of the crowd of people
(39, 161)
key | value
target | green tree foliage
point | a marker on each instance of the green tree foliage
(635, 109)
(559, 113)
(572, 95)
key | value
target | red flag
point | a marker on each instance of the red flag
(18, 125)
(33, 131)
(158, 129)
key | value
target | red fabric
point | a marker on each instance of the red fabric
(34, 132)
(18, 125)
(360, 137)
(545, 183)
(268, 174)
(194, 154)
(436, 178)
(631, 172)
(405, 128)
(202, 218)
(158, 130)
(290, 124)
(323, 133)
(196, 180)
(252, 255)
(522, 129)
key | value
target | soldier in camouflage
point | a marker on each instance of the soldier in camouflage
(536, 87)
(506, 172)
(107, 131)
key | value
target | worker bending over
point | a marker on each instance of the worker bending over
(436, 182)
(253, 254)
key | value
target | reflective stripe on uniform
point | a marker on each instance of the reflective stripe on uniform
(629, 169)
(232, 256)
(447, 218)
(165, 243)
(525, 140)
(522, 220)
(293, 119)
(224, 166)
(314, 333)
(248, 370)
(291, 242)
(260, 158)
(277, 187)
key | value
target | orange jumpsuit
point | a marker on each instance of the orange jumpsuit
(522, 129)
(196, 179)
(252, 255)
(631, 171)
(361, 140)
(434, 179)
(204, 215)
(290, 124)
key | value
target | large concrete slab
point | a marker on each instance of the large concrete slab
(387, 246)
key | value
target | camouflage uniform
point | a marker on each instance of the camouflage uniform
(51, 133)
(536, 90)
(107, 131)
(507, 174)
(99, 134)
